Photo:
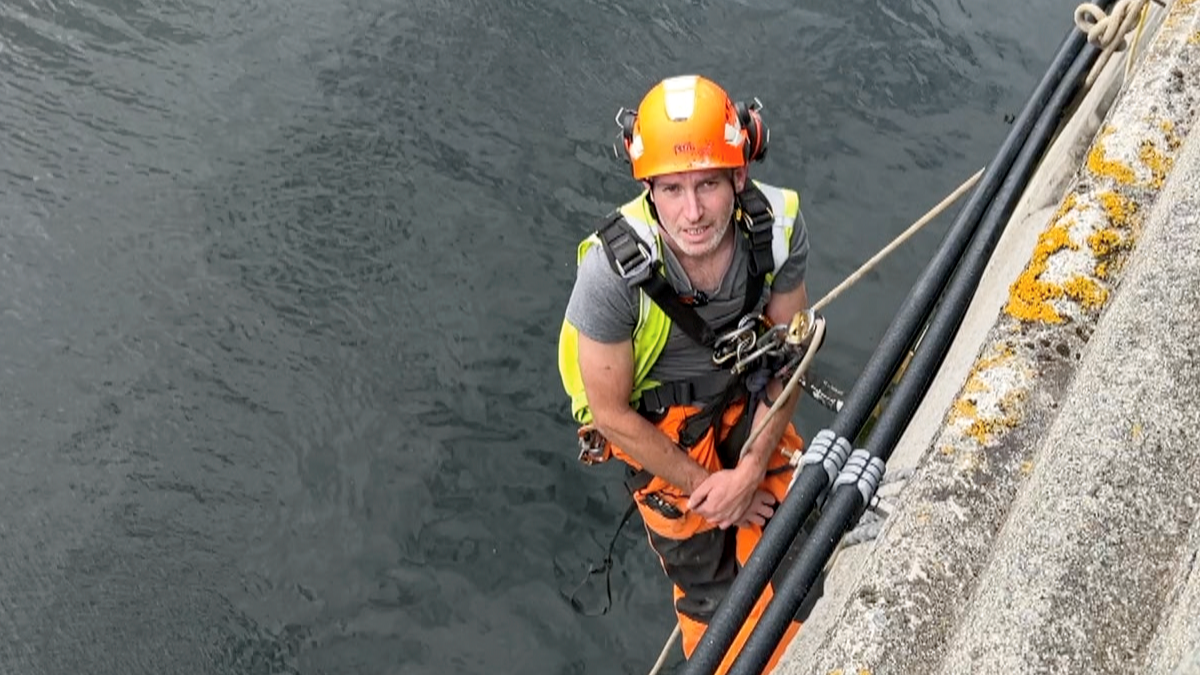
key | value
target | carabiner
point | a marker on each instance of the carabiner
(738, 340)
(770, 342)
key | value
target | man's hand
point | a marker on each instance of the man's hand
(761, 508)
(724, 497)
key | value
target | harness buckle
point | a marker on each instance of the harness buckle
(639, 271)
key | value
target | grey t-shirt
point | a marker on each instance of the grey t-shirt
(604, 308)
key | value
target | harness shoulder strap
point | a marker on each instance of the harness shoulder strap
(627, 253)
(758, 222)
(630, 257)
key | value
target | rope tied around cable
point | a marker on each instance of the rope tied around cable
(1107, 32)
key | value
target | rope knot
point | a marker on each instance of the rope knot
(1108, 31)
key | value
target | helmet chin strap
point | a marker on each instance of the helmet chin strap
(650, 201)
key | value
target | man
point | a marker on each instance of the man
(658, 284)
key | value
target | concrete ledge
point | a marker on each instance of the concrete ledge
(1086, 565)
(1047, 529)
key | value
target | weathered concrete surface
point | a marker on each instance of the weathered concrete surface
(1053, 527)
(1039, 201)
(1090, 559)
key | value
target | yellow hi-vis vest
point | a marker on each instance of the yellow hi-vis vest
(653, 326)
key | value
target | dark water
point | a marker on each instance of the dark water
(280, 284)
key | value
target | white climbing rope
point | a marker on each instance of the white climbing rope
(662, 657)
(1108, 31)
(904, 236)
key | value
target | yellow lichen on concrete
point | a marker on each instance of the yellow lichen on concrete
(980, 414)
(963, 408)
(1099, 163)
(982, 430)
(1029, 296)
(1004, 354)
(1104, 242)
(964, 412)
(1173, 140)
(975, 386)
(1119, 209)
(985, 429)
(1158, 163)
(1069, 204)
(1086, 292)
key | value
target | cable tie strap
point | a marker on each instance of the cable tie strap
(863, 472)
(827, 450)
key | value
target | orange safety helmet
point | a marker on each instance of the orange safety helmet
(687, 123)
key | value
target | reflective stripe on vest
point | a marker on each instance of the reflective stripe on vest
(653, 326)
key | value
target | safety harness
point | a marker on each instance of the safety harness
(629, 257)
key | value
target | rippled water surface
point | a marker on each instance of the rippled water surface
(280, 285)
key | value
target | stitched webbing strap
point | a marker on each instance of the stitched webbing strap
(686, 392)
(758, 222)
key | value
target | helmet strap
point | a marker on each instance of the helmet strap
(650, 199)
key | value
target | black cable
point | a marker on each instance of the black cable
(605, 568)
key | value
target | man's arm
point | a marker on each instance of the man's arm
(739, 501)
(607, 371)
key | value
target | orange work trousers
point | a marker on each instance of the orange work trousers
(700, 559)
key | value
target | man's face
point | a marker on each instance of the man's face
(695, 208)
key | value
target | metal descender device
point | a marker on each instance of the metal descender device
(755, 342)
